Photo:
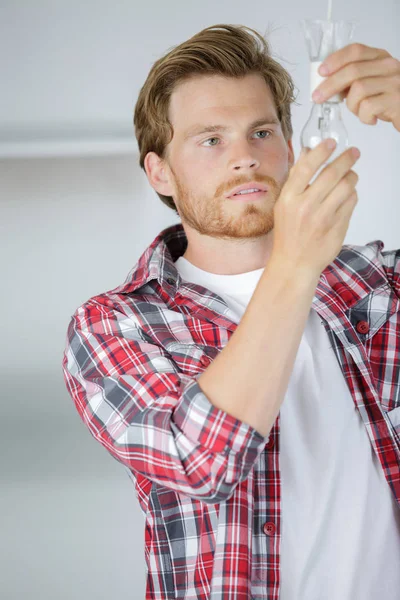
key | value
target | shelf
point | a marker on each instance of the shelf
(19, 145)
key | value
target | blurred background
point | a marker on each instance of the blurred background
(76, 214)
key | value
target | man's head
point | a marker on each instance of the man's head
(222, 76)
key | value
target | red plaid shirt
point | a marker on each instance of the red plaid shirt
(131, 363)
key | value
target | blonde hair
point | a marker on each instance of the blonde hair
(227, 50)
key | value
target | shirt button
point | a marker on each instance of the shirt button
(269, 528)
(271, 443)
(362, 326)
(204, 361)
(170, 281)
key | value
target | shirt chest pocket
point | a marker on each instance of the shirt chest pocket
(384, 357)
(394, 418)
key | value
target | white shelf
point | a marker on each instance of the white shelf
(58, 147)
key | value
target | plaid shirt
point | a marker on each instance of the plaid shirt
(131, 363)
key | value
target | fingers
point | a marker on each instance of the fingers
(356, 73)
(308, 164)
(385, 107)
(343, 191)
(365, 89)
(343, 215)
(331, 175)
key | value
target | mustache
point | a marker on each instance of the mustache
(225, 187)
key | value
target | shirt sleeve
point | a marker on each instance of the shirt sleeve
(149, 416)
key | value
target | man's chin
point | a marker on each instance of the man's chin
(253, 226)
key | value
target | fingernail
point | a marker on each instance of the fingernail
(317, 96)
(323, 70)
(331, 144)
(355, 152)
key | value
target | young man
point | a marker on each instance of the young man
(247, 372)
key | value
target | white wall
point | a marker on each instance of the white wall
(73, 226)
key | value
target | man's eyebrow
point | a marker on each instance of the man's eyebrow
(199, 129)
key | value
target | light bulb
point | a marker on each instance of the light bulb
(325, 120)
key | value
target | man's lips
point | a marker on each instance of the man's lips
(247, 186)
(251, 196)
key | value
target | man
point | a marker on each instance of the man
(247, 372)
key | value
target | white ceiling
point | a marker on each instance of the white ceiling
(71, 71)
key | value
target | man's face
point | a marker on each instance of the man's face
(206, 166)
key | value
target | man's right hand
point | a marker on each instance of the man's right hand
(311, 221)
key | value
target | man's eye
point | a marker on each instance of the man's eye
(209, 139)
(264, 131)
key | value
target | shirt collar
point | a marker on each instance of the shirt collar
(157, 261)
(355, 272)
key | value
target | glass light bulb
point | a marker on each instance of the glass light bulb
(325, 121)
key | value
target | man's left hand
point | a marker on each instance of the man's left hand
(369, 79)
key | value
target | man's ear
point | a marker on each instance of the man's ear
(158, 174)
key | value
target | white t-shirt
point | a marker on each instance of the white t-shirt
(340, 521)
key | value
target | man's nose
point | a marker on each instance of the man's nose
(243, 158)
